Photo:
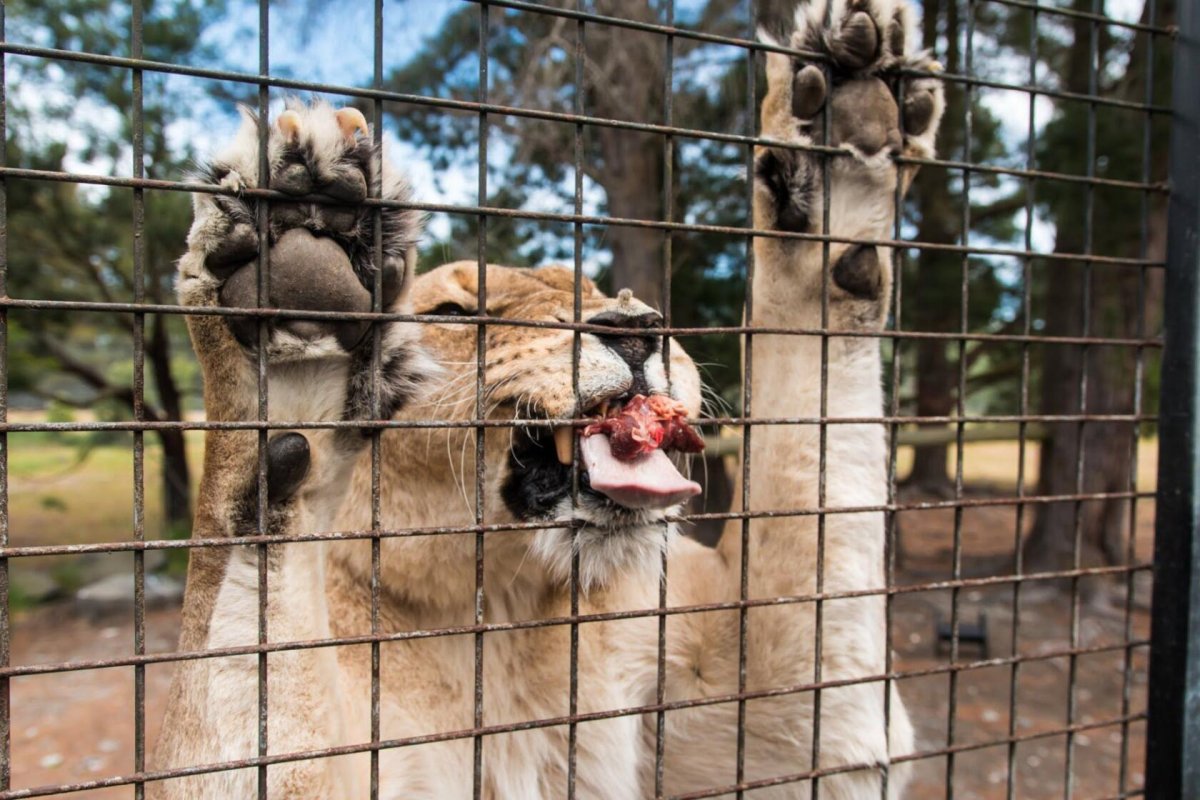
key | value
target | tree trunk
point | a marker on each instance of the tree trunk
(1093, 457)
(928, 297)
(633, 183)
(1064, 468)
(177, 488)
(627, 83)
(1103, 465)
(935, 398)
(177, 495)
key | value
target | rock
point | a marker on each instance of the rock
(93, 567)
(115, 593)
(35, 586)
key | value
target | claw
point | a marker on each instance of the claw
(233, 182)
(351, 120)
(289, 125)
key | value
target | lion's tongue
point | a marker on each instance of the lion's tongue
(648, 481)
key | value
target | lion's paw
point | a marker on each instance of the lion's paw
(856, 95)
(867, 45)
(321, 253)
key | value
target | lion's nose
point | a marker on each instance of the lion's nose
(633, 348)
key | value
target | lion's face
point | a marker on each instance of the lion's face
(528, 375)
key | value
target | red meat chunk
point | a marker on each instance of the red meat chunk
(644, 425)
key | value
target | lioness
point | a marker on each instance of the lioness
(318, 369)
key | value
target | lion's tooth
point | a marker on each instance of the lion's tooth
(562, 443)
(604, 409)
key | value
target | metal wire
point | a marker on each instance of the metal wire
(512, 213)
(263, 273)
(576, 354)
(131, 546)
(672, 225)
(480, 408)
(1127, 666)
(139, 408)
(376, 412)
(668, 206)
(5, 619)
(960, 408)
(747, 409)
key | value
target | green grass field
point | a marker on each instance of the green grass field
(61, 491)
(65, 488)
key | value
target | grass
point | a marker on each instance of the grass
(65, 488)
(75, 488)
(996, 464)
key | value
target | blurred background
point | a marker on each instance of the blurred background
(73, 241)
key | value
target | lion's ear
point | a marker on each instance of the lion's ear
(587, 287)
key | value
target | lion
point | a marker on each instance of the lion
(491, 707)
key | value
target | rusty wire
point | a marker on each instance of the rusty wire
(484, 109)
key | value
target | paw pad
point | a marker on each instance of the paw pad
(288, 461)
(306, 273)
(808, 92)
(864, 40)
(919, 109)
(322, 254)
(859, 272)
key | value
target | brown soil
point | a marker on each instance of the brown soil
(1109, 681)
(74, 727)
(78, 726)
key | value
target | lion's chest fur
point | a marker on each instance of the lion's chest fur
(427, 687)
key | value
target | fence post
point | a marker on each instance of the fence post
(1173, 727)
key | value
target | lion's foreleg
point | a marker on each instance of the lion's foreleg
(839, 290)
(239, 596)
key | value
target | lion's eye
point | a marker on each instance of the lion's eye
(450, 310)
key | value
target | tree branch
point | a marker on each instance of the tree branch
(993, 376)
(975, 353)
(93, 378)
(1005, 206)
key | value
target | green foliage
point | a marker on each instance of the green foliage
(53, 502)
(76, 242)
(82, 116)
(73, 242)
(532, 63)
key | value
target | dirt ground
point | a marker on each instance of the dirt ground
(79, 726)
(1109, 681)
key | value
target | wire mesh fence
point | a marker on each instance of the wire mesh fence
(1016, 626)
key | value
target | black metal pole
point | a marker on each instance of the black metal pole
(1173, 725)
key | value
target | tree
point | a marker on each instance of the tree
(532, 65)
(1113, 299)
(69, 242)
(933, 279)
